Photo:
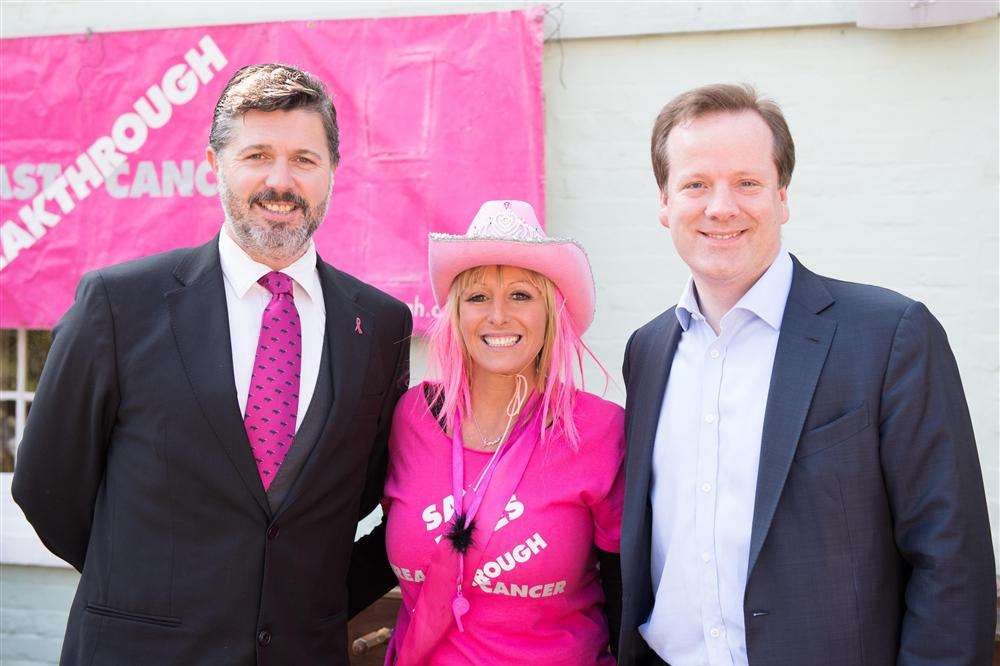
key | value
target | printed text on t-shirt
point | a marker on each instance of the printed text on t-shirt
(433, 518)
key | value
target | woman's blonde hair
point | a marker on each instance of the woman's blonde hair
(557, 366)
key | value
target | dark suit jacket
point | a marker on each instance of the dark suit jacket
(870, 541)
(135, 468)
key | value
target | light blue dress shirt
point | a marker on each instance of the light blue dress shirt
(704, 477)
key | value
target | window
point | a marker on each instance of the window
(22, 354)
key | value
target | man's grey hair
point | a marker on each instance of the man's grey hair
(273, 87)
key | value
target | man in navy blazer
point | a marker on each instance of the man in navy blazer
(803, 484)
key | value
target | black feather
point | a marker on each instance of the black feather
(460, 534)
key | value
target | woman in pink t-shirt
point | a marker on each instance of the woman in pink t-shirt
(504, 493)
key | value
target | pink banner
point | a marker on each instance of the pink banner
(102, 143)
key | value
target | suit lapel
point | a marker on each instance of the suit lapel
(649, 372)
(803, 345)
(200, 323)
(348, 350)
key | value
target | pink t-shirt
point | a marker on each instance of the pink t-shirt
(537, 595)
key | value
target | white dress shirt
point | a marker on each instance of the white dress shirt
(704, 477)
(245, 302)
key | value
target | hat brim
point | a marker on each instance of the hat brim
(561, 260)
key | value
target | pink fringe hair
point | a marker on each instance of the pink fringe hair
(562, 378)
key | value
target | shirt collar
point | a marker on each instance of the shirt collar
(243, 272)
(766, 298)
(687, 306)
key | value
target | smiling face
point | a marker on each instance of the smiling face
(502, 319)
(274, 180)
(722, 202)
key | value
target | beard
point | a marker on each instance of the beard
(278, 241)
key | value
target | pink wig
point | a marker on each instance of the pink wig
(561, 377)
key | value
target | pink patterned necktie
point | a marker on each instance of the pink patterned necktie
(273, 401)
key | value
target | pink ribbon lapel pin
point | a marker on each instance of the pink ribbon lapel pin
(357, 326)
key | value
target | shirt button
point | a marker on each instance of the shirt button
(264, 637)
(706, 557)
(714, 353)
(714, 632)
(709, 418)
(706, 487)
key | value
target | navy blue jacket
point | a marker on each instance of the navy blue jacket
(870, 541)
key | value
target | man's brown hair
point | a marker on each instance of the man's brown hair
(273, 87)
(721, 98)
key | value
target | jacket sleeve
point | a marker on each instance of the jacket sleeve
(626, 361)
(369, 575)
(935, 487)
(61, 458)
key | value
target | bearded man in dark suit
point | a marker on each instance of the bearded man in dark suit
(211, 422)
(803, 485)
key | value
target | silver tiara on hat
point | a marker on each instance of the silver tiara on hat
(501, 221)
(504, 224)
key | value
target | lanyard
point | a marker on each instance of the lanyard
(460, 604)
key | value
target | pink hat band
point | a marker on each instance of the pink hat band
(507, 233)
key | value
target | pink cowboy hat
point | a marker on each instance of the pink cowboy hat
(507, 233)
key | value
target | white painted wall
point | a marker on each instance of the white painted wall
(896, 184)
(568, 20)
(896, 132)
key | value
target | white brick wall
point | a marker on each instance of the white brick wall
(895, 185)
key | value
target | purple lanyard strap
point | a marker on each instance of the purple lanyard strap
(460, 604)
